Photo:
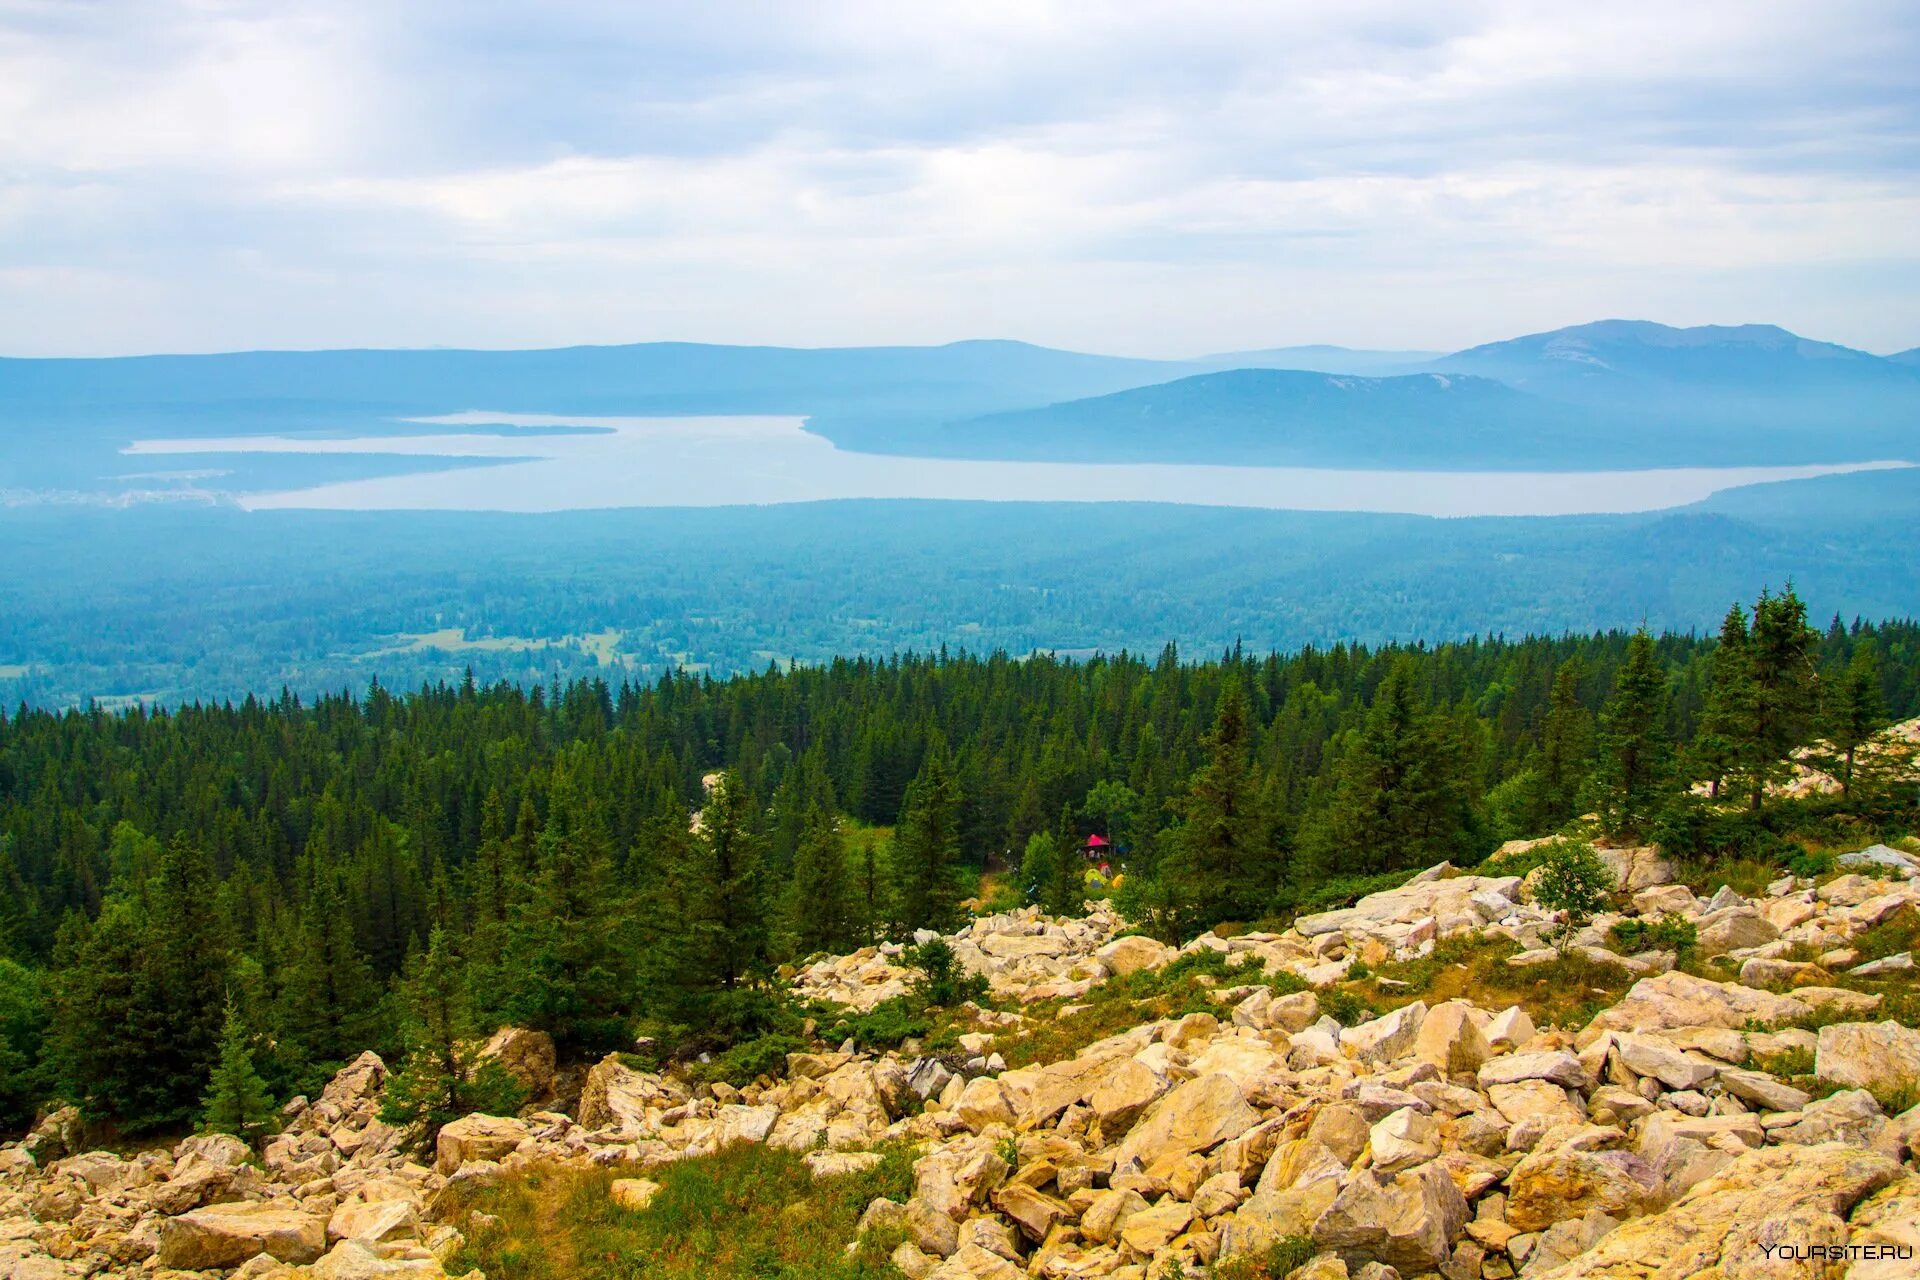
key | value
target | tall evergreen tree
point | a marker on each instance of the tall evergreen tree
(1221, 863)
(1566, 746)
(1853, 710)
(442, 1076)
(1399, 793)
(822, 908)
(733, 876)
(1726, 718)
(1634, 754)
(328, 1007)
(926, 850)
(566, 969)
(1783, 689)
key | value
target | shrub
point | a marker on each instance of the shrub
(749, 1060)
(1344, 1006)
(1670, 932)
(1573, 879)
(884, 1026)
(1276, 1262)
(940, 980)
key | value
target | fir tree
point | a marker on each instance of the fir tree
(237, 1100)
(1727, 717)
(1630, 778)
(1854, 710)
(927, 847)
(1566, 746)
(442, 1076)
(1399, 788)
(732, 878)
(1783, 689)
(565, 968)
(328, 1008)
(822, 908)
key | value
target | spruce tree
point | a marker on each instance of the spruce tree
(565, 967)
(328, 1008)
(732, 881)
(442, 1077)
(1399, 789)
(1853, 710)
(1629, 781)
(822, 910)
(1566, 746)
(1783, 689)
(1727, 716)
(1222, 864)
(927, 847)
(237, 1100)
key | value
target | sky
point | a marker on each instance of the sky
(1128, 176)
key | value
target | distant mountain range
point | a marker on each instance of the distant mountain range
(1616, 393)
(1322, 359)
(1281, 417)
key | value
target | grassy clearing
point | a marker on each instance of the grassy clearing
(748, 1213)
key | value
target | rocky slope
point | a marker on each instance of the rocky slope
(1447, 1139)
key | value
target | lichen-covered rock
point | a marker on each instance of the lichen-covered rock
(1880, 1056)
(1734, 1224)
(1197, 1116)
(226, 1235)
(477, 1137)
(1565, 1181)
(1410, 1221)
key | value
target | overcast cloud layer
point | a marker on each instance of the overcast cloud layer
(1146, 178)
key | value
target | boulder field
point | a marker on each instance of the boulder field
(1447, 1140)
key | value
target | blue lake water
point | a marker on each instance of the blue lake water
(731, 461)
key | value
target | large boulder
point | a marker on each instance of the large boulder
(1881, 1057)
(1678, 1000)
(1735, 1223)
(1636, 868)
(477, 1137)
(1409, 1222)
(527, 1056)
(617, 1097)
(1388, 1037)
(226, 1235)
(1451, 1040)
(1134, 953)
(1733, 929)
(1565, 1182)
(1197, 1116)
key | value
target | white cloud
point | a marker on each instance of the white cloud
(1134, 176)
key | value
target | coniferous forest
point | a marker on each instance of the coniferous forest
(293, 882)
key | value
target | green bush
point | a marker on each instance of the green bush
(1669, 933)
(1330, 895)
(1344, 1006)
(1572, 878)
(884, 1026)
(940, 980)
(749, 1060)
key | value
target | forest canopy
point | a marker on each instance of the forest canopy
(307, 879)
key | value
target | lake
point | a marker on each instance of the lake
(730, 461)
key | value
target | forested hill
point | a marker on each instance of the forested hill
(293, 857)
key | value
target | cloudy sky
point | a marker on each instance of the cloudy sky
(1141, 177)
